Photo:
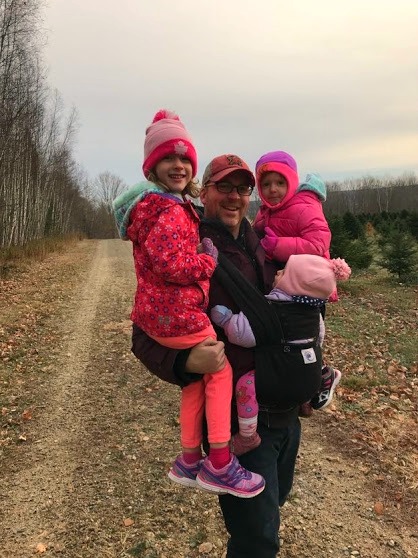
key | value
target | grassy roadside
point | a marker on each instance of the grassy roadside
(34, 296)
(372, 337)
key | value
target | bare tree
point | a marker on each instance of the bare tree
(107, 187)
(39, 182)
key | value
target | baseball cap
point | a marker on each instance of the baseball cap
(223, 165)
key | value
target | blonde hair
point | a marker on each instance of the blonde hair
(192, 188)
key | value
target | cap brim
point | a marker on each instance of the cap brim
(221, 174)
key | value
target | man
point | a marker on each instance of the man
(252, 523)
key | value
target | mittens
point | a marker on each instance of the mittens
(220, 315)
(209, 248)
(268, 242)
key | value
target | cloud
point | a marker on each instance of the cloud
(333, 83)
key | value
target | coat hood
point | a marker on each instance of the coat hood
(314, 183)
(282, 163)
(123, 204)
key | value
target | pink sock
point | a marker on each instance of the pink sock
(219, 457)
(247, 426)
(192, 457)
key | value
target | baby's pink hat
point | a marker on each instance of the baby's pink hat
(166, 135)
(315, 276)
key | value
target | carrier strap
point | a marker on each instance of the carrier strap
(264, 321)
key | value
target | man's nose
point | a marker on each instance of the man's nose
(234, 193)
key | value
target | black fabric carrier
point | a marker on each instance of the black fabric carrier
(287, 374)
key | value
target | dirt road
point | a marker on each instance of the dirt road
(83, 473)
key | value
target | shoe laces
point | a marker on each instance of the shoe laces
(240, 473)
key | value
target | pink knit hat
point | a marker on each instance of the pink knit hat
(310, 275)
(166, 135)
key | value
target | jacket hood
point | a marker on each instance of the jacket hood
(314, 183)
(282, 163)
(123, 204)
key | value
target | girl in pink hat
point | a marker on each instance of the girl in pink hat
(306, 279)
(173, 271)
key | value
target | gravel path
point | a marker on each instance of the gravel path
(88, 477)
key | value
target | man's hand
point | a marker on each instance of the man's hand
(206, 357)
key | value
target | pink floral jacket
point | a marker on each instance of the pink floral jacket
(172, 278)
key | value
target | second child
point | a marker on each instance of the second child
(291, 221)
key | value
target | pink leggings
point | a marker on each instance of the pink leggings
(211, 395)
(247, 406)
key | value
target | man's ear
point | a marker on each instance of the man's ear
(203, 193)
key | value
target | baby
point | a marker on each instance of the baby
(306, 279)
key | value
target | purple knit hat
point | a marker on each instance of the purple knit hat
(277, 157)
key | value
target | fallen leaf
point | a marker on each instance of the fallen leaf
(379, 508)
(128, 521)
(40, 548)
(206, 547)
(27, 414)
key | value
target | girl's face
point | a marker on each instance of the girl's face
(277, 277)
(174, 172)
(274, 187)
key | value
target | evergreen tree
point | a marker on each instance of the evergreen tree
(398, 253)
(412, 222)
(339, 239)
(358, 253)
(353, 226)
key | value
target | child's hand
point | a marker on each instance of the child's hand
(209, 248)
(220, 315)
(268, 242)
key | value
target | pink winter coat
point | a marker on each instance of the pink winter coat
(172, 278)
(298, 221)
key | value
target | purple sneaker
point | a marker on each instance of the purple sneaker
(231, 479)
(183, 473)
(330, 379)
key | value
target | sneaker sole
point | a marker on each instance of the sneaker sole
(183, 481)
(331, 391)
(215, 489)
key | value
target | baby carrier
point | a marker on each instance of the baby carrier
(287, 373)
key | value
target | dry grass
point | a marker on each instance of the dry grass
(372, 337)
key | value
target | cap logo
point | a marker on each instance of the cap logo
(180, 148)
(234, 161)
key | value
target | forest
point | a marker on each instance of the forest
(45, 194)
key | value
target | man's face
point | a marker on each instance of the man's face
(229, 208)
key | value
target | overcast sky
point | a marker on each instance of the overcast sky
(335, 83)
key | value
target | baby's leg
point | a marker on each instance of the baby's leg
(247, 408)
(247, 405)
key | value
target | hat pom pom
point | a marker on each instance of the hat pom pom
(341, 269)
(164, 113)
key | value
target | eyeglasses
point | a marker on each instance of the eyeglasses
(227, 188)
